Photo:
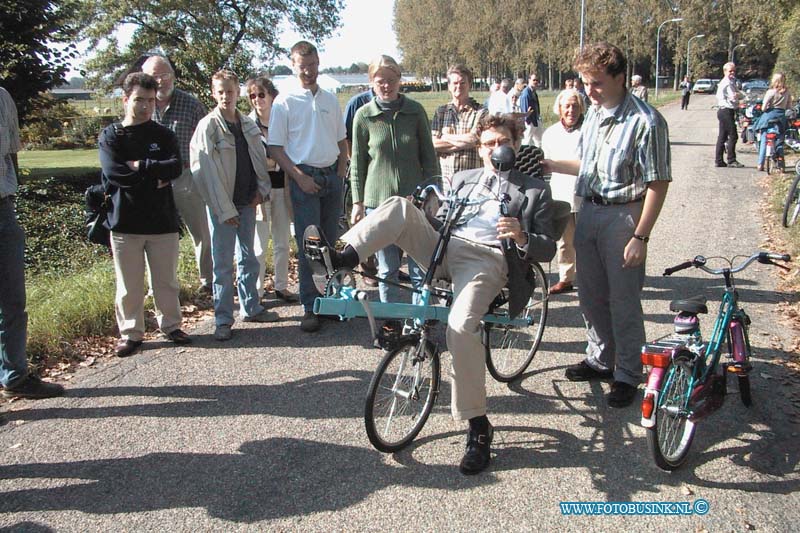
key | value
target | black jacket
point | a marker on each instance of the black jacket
(138, 205)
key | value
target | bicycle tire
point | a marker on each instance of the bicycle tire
(396, 410)
(510, 350)
(743, 379)
(791, 206)
(768, 161)
(671, 437)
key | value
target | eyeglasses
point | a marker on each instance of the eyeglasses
(253, 96)
(494, 143)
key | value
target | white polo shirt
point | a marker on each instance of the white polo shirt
(308, 126)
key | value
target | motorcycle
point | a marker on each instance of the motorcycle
(748, 115)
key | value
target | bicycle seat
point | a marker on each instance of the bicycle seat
(694, 304)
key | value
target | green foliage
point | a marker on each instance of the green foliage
(29, 64)
(789, 45)
(51, 212)
(199, 36)
(522, 36)
(56, 123)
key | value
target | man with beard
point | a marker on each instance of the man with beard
(180, 112)
(307, 139)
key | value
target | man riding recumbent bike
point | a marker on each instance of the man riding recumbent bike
(489, 234)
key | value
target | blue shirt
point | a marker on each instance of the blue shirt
(353, 105)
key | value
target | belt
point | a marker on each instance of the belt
(599, 200)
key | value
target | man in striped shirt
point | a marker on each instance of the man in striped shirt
(16, 380)
(623, 176)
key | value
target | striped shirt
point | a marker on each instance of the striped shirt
(622, 152)
(181, 116)
(727, 97)
(449, 119)
(9, 143)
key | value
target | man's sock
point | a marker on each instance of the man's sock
(348, 258)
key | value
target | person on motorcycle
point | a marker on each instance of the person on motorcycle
(777, 101)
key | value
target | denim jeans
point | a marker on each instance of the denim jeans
(322, 209)
(389, 268)
(223, 239)
(13, 318)
(777, 147)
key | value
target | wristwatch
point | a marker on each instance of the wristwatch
(641, 238)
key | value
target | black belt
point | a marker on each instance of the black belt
(599, 200)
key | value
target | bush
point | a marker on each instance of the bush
(45, 122)
(51, 212)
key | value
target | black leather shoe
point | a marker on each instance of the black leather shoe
(178, 337)
(126, 347)
(310, 322)
(720, 164)
(583, 372)
(621, 395)
(735, 164)
(32, 387)
(479, 452)
(286, 296)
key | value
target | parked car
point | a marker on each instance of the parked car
(703, 85)
(755, 89)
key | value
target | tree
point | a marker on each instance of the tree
(28, 64)
(199, 36)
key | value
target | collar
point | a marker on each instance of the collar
(373, 110)
(471, 105)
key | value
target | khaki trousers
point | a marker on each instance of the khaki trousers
(477, 272)
(160, 254)
(565, 254)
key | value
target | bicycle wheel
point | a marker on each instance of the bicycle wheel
(401, 395)
(669, 440)
(791, 206)
(768, 160)
(510, 349)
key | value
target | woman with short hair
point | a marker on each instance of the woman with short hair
(560, 141)
(273, 214)
(392, 153)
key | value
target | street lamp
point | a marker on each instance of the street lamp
(733, 52)
(658, 46)
(688, 47)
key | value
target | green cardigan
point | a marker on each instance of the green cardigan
(391, 156)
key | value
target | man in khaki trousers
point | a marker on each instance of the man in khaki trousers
(475, 262)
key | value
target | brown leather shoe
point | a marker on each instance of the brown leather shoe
(561, 286)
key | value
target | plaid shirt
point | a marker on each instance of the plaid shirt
(621, 153)
(463, 121)
(9, 143)
(181, 116)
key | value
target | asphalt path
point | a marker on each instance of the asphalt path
(265, 432)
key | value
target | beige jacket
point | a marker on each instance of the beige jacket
(212, 155)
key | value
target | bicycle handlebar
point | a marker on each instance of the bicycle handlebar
(765, 258)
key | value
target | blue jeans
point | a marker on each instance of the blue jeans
(224, 237)
(389, 268)
(762, 144)
(322, 209)
(13, 318)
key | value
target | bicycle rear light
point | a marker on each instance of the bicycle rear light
(648, 404)
(656, 359)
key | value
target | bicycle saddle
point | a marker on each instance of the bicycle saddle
(694, 304)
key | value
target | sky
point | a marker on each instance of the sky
(365, 32)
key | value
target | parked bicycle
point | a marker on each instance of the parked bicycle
(687, 381)
(791, 206)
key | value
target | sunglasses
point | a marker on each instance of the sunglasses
(253, 96)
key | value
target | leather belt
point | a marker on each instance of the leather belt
(599, 200)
